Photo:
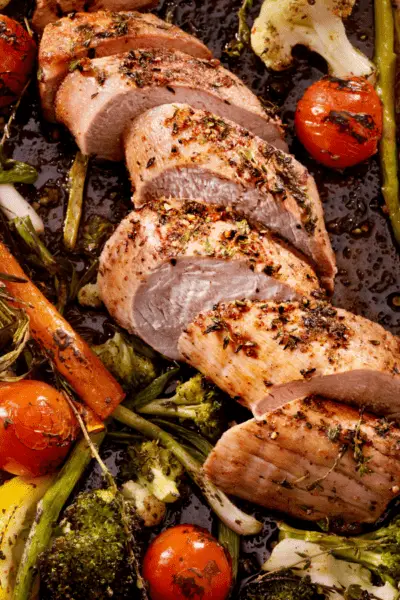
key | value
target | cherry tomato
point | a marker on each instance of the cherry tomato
(37, 427)
(187, 562)
(339, 121)
(17, 57)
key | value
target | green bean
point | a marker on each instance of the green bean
(77, 179)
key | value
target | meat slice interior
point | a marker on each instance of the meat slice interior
(170, 260)
(103, 33)
(48, 11)
(277, 352)
(301, 460)
(174, 150)
(100, 101)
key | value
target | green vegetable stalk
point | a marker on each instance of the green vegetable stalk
(233, 517)
(242, 40)
(77, 179)
(152, 391)
(25, 229)
(48, 511)
(231, 542)
(385, 59)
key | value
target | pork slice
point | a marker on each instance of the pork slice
(195, 154)
(49, 11)
(170, 260)
(100, 101)
(279, 352)
(312, 459)
(103, 33)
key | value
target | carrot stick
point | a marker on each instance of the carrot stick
(71, 355)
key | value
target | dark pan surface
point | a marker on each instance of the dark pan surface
(368, 282)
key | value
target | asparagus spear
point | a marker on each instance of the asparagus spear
(77, 178)
(47, 514)
(232, 516)
(385, 59)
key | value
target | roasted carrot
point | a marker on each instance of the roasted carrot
(71, 355)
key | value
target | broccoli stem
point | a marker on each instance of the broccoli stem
(152, 391)
(48, 512)
(166, 408)
(232, 516)
(385, 59)
(357, 550)
(77, 178)
(203, 446)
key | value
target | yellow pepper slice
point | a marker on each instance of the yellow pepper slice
(18, 501)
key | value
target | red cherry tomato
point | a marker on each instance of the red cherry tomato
(17, 57)
(37, 427)
(340, 121)
(187, 562)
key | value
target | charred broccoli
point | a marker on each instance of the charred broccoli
(154, 468)
(378, 551)
(194, 400)
(120, 357)
(92, 557)
(282, 587)
(300, 570)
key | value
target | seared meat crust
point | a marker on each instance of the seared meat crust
(48, 11)
(103, 33)
(101, 97)
(195, 154)
(266, 354)
(312, 459)
(171, 259)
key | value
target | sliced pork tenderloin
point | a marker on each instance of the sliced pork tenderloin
(174, 150)
(103, 33)
(266, 354)
(102, 96)
(49, 11)
(312, 459)
(170, 260)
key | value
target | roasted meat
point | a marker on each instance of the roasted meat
(195, 154)
(48, 11)
(266, 354)
(98, 100)
(311, 459)
(103, 33)
(170, 260)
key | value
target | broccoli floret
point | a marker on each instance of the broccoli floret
(282, 24)
(378, 551)
(148, 507)
(131, 368)
(91, 560)
(282, 587)
(194, 400)
(155, 468)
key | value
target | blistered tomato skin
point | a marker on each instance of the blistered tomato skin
(37, 428)
(187, 562)
(17, 58)
(340, 121)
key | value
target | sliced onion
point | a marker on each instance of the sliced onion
(14, 205)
